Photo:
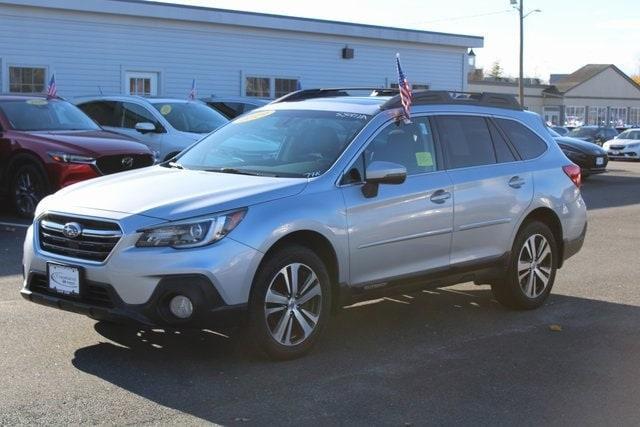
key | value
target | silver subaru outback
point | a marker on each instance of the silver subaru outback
(317, 200)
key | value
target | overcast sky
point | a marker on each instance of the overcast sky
(564, 36)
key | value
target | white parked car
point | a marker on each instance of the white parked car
(624, 146)
(166, 125)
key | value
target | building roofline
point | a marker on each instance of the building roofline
(612, 66)
(172, 11)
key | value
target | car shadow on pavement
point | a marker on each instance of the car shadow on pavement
(439, 357)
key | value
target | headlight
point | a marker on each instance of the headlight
(71, 158)
(634, 145)
(191, 233)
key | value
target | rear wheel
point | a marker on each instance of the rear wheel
(532, 269)
(28, 187)
(290, 303)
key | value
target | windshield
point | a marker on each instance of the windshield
(289, 143)
(629, 134)
(37, 114)
(582, 132)
(192, 117)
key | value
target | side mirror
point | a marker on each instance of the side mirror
(145, 127)
(382, 173)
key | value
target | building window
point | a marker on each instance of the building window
(259, 87)
(27, 79)
(269, 87)
(574, 116)
(142, 84)
(634, 116)
(618, 116)
(597, 116)
(285, 86)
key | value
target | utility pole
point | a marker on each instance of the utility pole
(519, 5)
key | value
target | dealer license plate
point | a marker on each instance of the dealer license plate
(599, 161)
(64, 279)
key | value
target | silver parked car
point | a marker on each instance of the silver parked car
(312, 202)
(166, 125)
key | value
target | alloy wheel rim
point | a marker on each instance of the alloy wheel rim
(535, 264)
(26, 193)
(293, 304)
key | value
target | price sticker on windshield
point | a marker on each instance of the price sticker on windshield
(37, 101)
(253, 116)
(165, 109)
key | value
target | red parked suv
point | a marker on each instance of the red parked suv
(47, 144)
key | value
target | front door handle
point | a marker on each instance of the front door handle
(516, 182)
(440, 196)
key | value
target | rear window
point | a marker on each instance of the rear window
(527, 143)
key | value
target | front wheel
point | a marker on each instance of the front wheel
(532, 269)
(290, 302)
(28, 187)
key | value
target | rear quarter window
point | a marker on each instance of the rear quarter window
(528, 144)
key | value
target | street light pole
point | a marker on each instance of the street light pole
(521, 78)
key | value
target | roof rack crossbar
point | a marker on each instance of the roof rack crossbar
(301, 95)
(485, 99)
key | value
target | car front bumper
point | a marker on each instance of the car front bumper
(136, 284)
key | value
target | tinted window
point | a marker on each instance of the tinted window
(610, 133)
(503, 151)
(528, 144)
(134, 113)
(466, 141)
(229, 109)
(410, 145)
(41, 114)
(582, 132)
(103, 112)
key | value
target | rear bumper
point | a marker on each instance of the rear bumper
(573, 246)
(101, 302)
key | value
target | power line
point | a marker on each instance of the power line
(458, 18)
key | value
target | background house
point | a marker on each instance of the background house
(596, 94)
(148, 48)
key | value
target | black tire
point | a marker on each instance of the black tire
(28, 186)
(510, 291)
(270, 275)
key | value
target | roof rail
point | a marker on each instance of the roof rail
(301, 95)
(485, 99)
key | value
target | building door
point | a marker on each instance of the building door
(142, 84)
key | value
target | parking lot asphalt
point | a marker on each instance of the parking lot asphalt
(439, 357)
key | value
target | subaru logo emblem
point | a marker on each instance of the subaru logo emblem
(72, 230)
(127, 162)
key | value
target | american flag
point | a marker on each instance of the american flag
(405, 90)
(52, 90)
(192, 93)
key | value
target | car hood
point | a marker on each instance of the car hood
(92, 143)
(623, 142)
(173, 194)
(579, 144)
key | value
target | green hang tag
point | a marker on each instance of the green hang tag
(424, 158)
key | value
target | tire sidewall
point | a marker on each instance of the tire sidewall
(267, 271)
(35, 171)
(512, 281)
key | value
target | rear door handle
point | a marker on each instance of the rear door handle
(440, 196)
(516, 182)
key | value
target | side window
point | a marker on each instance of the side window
(503, 151)
(528, 144)
(466, 141)
(611, 133)
(102, 112)
(410, 145)
(134, 113)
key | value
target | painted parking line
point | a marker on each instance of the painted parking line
(13, 224)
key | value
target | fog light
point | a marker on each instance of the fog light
(181, 307)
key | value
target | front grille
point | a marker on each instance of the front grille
(94, 242)
(120, 163)
(616, 147)
(90, 293)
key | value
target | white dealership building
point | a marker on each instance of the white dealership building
(156, 49)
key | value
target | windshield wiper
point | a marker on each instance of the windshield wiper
(234, 171)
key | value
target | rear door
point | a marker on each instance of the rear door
(491, 189)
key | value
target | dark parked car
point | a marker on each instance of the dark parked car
(47, 144)
(591, 158)
(561, 130)
(233, 106)
(595, 134)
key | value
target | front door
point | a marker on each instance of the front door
(406, 229)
